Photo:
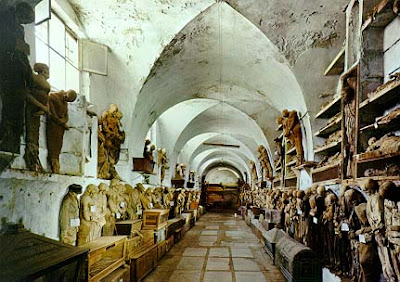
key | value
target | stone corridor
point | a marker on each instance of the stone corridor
(219, 248)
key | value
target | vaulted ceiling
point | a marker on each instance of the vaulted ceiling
(215, 71)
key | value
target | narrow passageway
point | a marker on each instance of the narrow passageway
(219, 248)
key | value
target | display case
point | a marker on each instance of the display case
(155, 219)
(29, 257)
(106, 254)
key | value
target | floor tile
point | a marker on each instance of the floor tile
(195, 252)
(185, 276)
(245, 264)
(191, 263)
(215, 227)
(218, 264)
(241, 253)
(218, 276)
(219, 252)
(208, 238)
(209, 232)
(250, 276)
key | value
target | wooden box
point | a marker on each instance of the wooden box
(143, 263)
(155, 219)
(177, 183)
(139, 243)
(170, 242)
(106, 254)
(121, 274)
(173, 225)
(128, 227)
(144, 165)
(296, 261)
(161, 249)
(29, 257)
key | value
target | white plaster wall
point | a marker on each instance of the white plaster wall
(221, 175)
(36, 199)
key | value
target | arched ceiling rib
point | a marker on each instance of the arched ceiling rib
(227, 161)
(219, 55)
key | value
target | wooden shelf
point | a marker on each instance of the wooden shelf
(383, 126)
(379, 178)
(329, 128)
(331, 109)
(336, 67)
(385, 96)
(366, 157)
(324, 168)
(292, 151)
(382, 16)
(328, 182)
(329, 149)
(291, 163)
(291, 177)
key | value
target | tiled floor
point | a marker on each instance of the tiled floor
(219, 248)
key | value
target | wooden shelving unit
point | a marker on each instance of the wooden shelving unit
(381, 16)
(329, 128)
(329, 148)
(330, 109)
(336, 67)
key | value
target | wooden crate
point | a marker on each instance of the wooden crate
(143, 263)
(139, 243)
(106, 254)
(173, 225)
(144, 165)
(155, 219)
(29, 257)
(178, 234)
(121, 274)
(161, 249)
(170, 242)
(128, 227)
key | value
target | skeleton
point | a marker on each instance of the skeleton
(57, 124)
(375, 215)
(349, 101)
(89, 224)
(292, 131)
(35, 107)
(69, 215)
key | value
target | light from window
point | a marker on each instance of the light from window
(58, 48)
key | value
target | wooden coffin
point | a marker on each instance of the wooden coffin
(173, 225)
(128, 227)
(271, 238)
(143, 165)
(155, 219)
(143, 263)
(136, 244)
(296, 261)
(121, 274)
(177, 183)
(106, 254)
(27, 257)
